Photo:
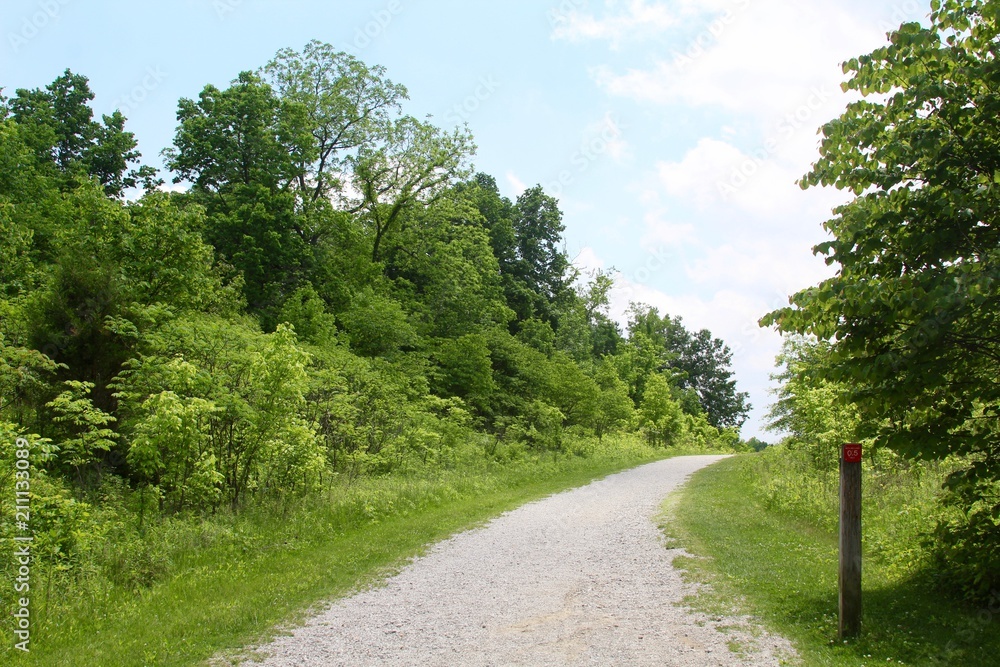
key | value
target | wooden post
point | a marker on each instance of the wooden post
(850, 541)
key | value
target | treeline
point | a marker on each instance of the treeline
(335, 294)
(901, 349)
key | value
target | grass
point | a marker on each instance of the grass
(778, 562)
(235, 580)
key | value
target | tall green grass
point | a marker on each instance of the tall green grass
(763, 531)
(190, 588)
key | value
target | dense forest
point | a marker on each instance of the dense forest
(329, 293)
(320, 292)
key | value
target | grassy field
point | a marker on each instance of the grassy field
(233, 579)
(778, 561)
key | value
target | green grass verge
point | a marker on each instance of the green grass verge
(271, 565)
(777, 565)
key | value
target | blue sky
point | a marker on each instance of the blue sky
(672, 131)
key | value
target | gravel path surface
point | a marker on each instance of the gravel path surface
(578, 578)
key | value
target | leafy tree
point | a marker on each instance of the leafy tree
(757, 445)
(596, 297)
(116, 266)
(810, 410)
(306, 312)
(541, 264)
(701, 363)
(377, 325)
(660, 415)
(571, 390)
(467, 370)
(914, 310)
(538, 334)
(444, 271)
(614, 406)
(25, 383)
(171, 446)
(636, 360)
(231, 137)
(344, 106)
(251, 388)
(236, 146)
(84, 426)
(414, 162)
(67, 141)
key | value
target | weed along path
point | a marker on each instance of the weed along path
(578, 578)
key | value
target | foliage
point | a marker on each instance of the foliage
(659, 414)
(85, 425)
(813, 412)
(614, 406)
(333, 301)
(335, 105)
(912, 314)
(763, 532)
(69, 144)
(699, 362)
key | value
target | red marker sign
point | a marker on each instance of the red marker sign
(852, 453)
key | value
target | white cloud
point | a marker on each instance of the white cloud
(588, 261)
(663, 232)
(764, 58)
(516, 183)
(606, 137)
(766, 268)
(715, 176)
(639, 17)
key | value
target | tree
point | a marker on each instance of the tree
(913, 313)
(84, 426)
(114, 266)
(231, 137)
(466, 370)
(614, 407)
(344, 105)
(810, 410)
(540, 265)
(700, 363)
(237, 146)
(414, 162)
(583, 327)
(377, 325)
(659, 414)
(443, 270)
(65, 138)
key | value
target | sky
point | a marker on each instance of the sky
(672, 131)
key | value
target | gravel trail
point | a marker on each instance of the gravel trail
(578, 578)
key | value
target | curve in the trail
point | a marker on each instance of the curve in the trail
(578, 578)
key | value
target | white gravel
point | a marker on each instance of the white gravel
(578, 578)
